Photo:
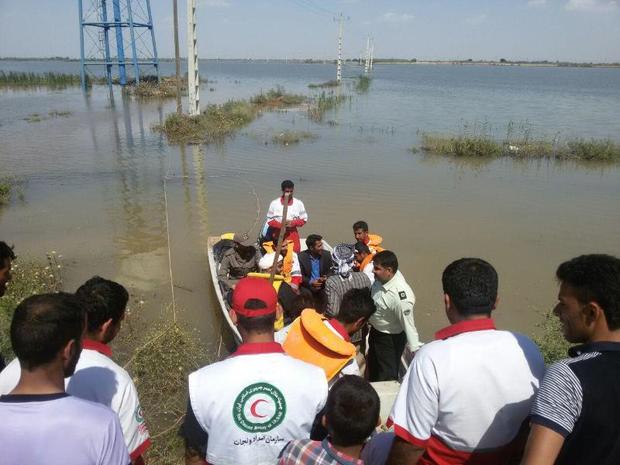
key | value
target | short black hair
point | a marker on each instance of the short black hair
(43, 324)
(313, 239)
(6, 253)
(256, 324)
(386, 259)
(300, 303)
(360, 225)
(351, 411)
(103, 300)
(471, 284)
(356, 304)
(595, 278)
(287, 184)
(360, 247)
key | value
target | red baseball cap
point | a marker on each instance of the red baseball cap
(254, 288)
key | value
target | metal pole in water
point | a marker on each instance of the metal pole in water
(120, 50)
(193, 78)
(106, 34)
(339, 63)
(82, 71)
(152, 29)
(177, 58)
(367, 62)
(134, 52)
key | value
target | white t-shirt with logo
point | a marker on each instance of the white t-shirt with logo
(254, 402)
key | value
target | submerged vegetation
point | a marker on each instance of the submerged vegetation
(522, 146)
(150, 88)
(5, 191)
(220, 121)
(363, 83)
(323, 103)
(332, 83)
(292, 137)
(25, 80)
(38, 117)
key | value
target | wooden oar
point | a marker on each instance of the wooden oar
(280, 239)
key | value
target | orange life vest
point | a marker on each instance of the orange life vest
(287, 262)
(313, 342)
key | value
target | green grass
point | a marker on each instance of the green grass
(218, 122)
(151, 89)
(292, 137)
(6, 188)
(472, 146)
(332, 83)
(363, 84)
(323, 103)
(29, 278)
(550, 339)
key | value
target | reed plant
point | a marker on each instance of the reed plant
(323, 103)
(292, 137)
(18, 80)
(550, 339)
(277, 98)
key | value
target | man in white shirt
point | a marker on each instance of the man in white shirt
(246, 408)
(467, 395)
(296, 216)
(392, 325)
(97, 377)
(41, 423)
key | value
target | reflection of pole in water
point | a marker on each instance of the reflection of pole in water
(187, 196)
(201, 190)
(91, 123)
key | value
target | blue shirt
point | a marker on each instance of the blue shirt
(315, 263)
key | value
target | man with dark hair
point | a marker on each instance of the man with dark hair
(296, 216)
(97, 378)
(363, 258)
(574, 417)
(6, 258)
(315, 263)
(41, 423)
(244, 409)
(361, 234)
(327, 342)
(466, 395)
(351, 415)
(392, 325)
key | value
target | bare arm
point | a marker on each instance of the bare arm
(404, 453)
(192, 457)
(543, 446)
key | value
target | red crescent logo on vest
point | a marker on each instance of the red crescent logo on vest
(253, 408)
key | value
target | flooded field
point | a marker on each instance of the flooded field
(93, 176)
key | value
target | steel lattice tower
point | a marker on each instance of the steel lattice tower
(117, 33)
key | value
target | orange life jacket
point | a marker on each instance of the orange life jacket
(287, 262)
(313, 342)
(366, 261)
(373, 243)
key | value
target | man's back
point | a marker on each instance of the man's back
(336, 286)
(580, 399)
(254, 402)
(58, 429)
(468, 392)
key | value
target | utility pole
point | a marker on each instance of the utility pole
(339, 63)
(193, 78)
(372, 52)
(177, 58)
(367, 62)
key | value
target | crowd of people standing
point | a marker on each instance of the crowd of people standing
(474, 395)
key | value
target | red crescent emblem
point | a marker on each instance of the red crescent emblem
(253, 408)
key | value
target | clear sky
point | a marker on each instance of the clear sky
(566, 30)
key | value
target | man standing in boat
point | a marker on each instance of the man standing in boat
(296, 216)
(373, 241)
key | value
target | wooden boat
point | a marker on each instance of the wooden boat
(216, 246)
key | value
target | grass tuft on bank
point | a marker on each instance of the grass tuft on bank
(473, 146)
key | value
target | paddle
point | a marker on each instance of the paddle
(280, 239)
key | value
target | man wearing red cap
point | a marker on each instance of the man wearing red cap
(246, 408)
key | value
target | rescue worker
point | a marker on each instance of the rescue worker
(392, 325)
(373, 241)
(363, 258)
(246, 408)
(327, 342)
(238, 261)
(296, 216)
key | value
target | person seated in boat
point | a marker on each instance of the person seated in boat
(363, 259)
(373, 241)
(238, 261)
(352, 413)
(343, 280)
(290, 269)
(262, 389)
(296, 216)
(326, 342)
(291, 311)
(315, 263)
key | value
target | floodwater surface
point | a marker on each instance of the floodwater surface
(109, 194)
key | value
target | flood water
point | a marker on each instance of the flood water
(94, 186)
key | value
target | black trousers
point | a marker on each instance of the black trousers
(384, 354)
